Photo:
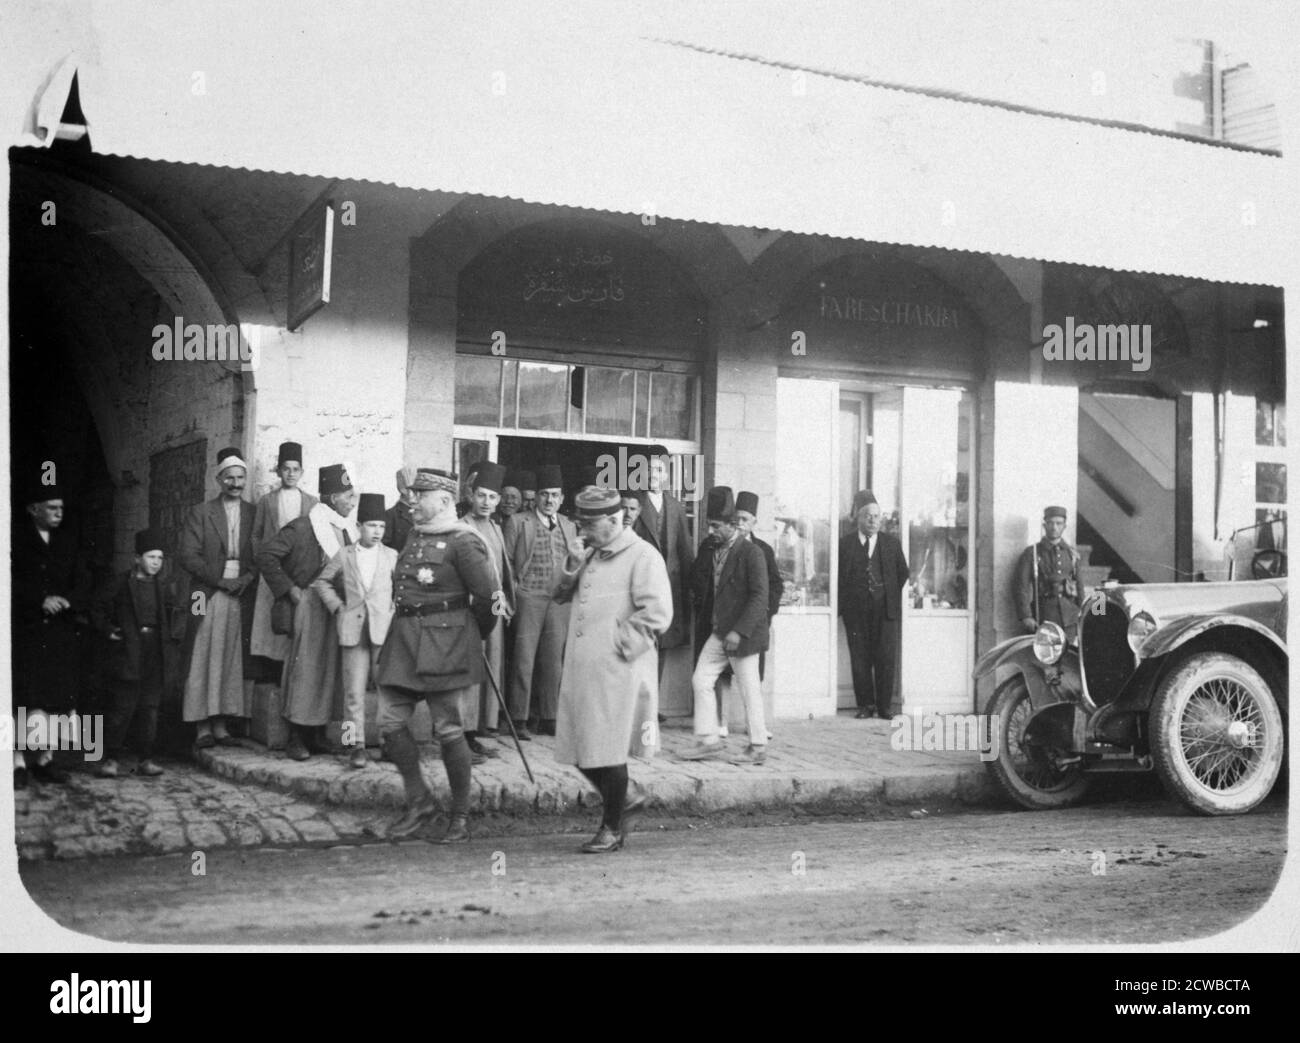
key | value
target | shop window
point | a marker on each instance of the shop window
(672, 405)
(610, 401)
(805, 484)
(1270, 473)
(478, 391)
(543, 397)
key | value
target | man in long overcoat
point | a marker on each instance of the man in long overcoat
(313, 671)
(50, 586)
(621, 603)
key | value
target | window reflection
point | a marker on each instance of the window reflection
(804, 484)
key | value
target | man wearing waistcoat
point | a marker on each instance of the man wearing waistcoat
(873, 573)
(537, 545)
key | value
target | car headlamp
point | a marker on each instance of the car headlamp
(1140, 627)
(1049, 643)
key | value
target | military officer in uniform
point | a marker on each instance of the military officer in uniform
(1047, 577)
(443, 591)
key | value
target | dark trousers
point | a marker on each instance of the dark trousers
(873, 653)
(135, 703)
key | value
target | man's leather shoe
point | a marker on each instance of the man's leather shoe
(863, 715)
(522, 733)
(756, 755)
(48, 773)
(295, 750)
(477, 747)
(108, 769)
(605, 841)
(148, 767)
(457, 830)
(412, 819)
(358, 759)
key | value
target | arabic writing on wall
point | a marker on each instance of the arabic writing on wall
(176, 483)
(583, 277)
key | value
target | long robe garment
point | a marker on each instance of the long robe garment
(609, 692)
(272, 516)
(312, 682)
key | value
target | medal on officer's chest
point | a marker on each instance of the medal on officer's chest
(424, 576)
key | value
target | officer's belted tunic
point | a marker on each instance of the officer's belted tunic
(1060, 594)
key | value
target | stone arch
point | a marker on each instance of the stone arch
(94, 285)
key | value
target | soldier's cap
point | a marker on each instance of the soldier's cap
(431, 478)
(1054, 512)
(595, 502)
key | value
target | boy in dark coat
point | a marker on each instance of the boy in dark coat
(141, 614)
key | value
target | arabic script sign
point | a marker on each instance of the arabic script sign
(575, 278)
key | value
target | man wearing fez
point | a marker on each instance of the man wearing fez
(444, 592)
(50, 585)
(662, 523)
(362, 613)
(609, 697)
(737, 597)
(528, 490)
(142, 615)
(275, 510)
(481, 711)
(295, 556)
(216, 549)
(537, 543)
(397, 521)
(1047, 577)
(873, 573)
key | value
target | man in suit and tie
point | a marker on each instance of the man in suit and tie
(362, 615)
(661, 522)
(737, 594)
(873, 573)
(537, 545)
(216, 549)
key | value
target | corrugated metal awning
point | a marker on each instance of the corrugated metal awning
(633, 125)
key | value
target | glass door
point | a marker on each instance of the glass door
(935, 516)
(803, 533)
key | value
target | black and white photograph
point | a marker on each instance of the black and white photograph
(649, 476)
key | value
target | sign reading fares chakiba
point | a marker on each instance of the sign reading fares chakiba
(311, 249)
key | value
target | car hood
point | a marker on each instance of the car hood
(1262, 601)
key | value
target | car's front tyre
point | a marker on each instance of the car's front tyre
(1217, 737)
(1032, 775)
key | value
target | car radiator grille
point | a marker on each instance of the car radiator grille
(1106, 658)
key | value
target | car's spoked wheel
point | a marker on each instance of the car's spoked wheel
(1029, 773)
(1216, 734)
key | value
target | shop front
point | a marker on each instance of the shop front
(883, 399)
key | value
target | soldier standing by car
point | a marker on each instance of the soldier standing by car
(1047, 577)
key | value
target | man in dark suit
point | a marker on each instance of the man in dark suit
(661, 522)
(216, 549)
(873, 573)
(737, 593)
(50, 587)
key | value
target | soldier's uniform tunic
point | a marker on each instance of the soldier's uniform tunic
(1060, 594)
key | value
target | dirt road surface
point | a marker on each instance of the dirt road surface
(1119, 873)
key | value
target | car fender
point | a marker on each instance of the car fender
(1047, 685)
(1171, 638)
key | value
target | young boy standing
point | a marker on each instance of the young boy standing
(362, 614)
(140, 614)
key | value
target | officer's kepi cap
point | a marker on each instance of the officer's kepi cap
(1054, 512)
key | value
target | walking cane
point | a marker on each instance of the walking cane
(505, 712)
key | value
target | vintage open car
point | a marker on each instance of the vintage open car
(1188, 679)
